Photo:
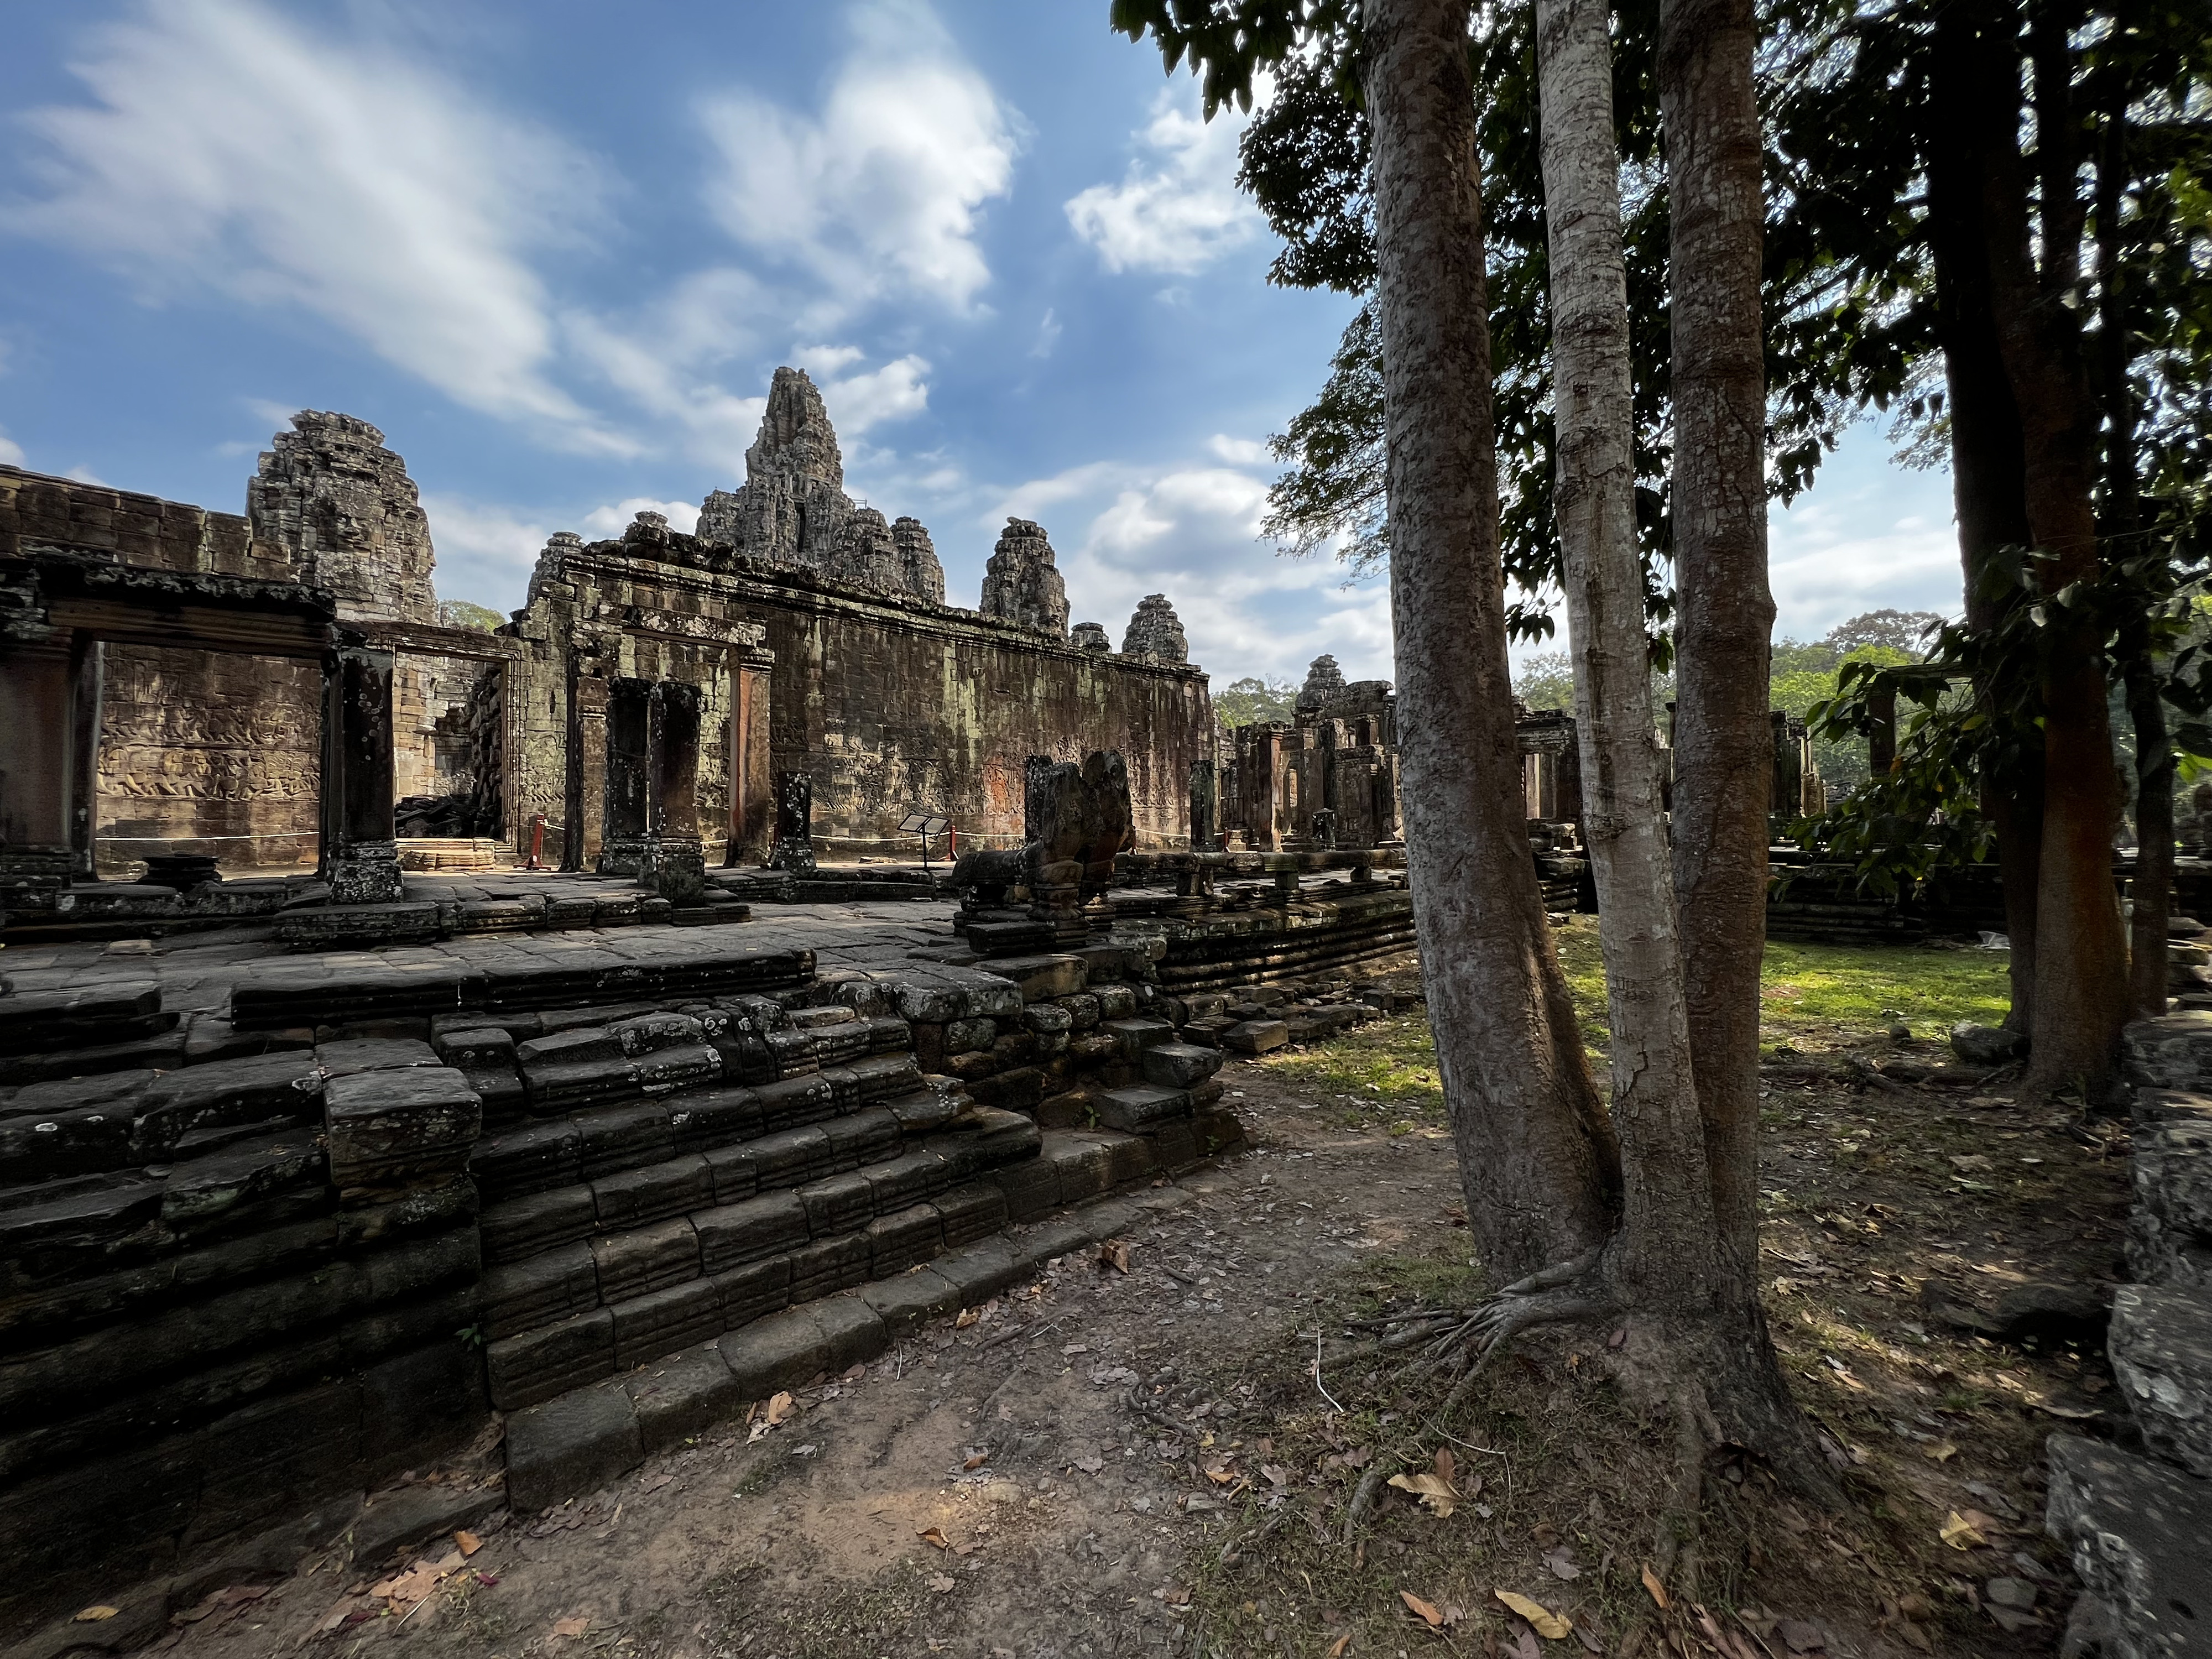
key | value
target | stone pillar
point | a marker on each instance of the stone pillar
(626, 815)
(35, 775)
(588, 773)
(753, 768)
(1203, 804)
(794, 824)
(1881, 740)
(360, 860)
(1569, 802)
(1788, 782)
(88, 660)
(676, 864)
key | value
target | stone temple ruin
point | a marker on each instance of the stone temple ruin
(577, 986)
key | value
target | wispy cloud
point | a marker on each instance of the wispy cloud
(1178, 209)
(881, 191)
(228, 146)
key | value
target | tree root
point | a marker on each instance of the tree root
(1675, 1541)
(1151, 1415)
(1363, 1499)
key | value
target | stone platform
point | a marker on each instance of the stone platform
(248, 1197)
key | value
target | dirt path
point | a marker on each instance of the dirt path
(992, 1490)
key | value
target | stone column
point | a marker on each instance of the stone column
(1882, 740)
(88, 660)
(35, 775)
(1203, 804)
(626, 818)
(676, 861)
(360, 860)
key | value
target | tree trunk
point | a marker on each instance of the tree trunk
(1723, 743)
(2152, 889)
(1989, 479)
(1536, 1154)
(2080, 974)
(1668, 1246)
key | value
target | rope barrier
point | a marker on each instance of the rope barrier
(164, 840)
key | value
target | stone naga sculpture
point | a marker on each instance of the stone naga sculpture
(1078, 819)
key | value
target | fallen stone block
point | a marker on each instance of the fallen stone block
(1042, 978)
(1140, 1108)
(571, 1445)
(1180, 1064)
(406, 1516)
(1256, 1036)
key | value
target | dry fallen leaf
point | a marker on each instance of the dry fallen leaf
(1434, 1493)
(977, 1461)
(1960, 1534)
(1561, 1563)
(943, 1585)
(1447, 1471)
(1547, 1624)
(779, 1407)
(93, 1615)
(1114, 1253)
(966, 1317)
(934, 1535)
(1941, 1452)
(1424, 1611)
(1089, 1465)
(467, 1542)
(1344, 1642)
(1658, 1590)
(576, 1626)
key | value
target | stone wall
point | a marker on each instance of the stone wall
(891, 704)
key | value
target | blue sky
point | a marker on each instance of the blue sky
(555, 250)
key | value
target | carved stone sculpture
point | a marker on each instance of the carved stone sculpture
(1155, 630)
(794, 824)
(1091, 636)
(1021, 582)
(1079, 818)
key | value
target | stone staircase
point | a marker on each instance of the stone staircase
(2138, 1526)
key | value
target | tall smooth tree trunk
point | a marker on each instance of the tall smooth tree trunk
(1989, 479)
(1666, 1246)
(2152, 890)
(1723, 743)
(1536, 1155)
(2081, 972)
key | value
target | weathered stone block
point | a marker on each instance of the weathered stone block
(2135, 1531)
(1042, 978)
(1016, 1091)
(967, 1036)
(520, 1226)
(906, 1180)
(796, 1100)
(1256, 1036)
(1180, 1064)
(664, 1320)
(863, 1139)
(1141, 1107)
(545, 1288)
(531, 1158)
(648, 1258)
(828, 1266)
(928, 1108)
(2160, 1344)
(756, 1289)
(611, 1137)
(387, 1129)
(904, 1237)
(974, 1212)
(911, 1300)
(838, 1204)
(792, 1157)
(539, 1364)
(570, 1446)
(731, 1235)
(2170, 1232)
(782, 1351)
(682, 1395)
(229, 1092)
(646, 1034)
(631, 1198)
(2172, 1052)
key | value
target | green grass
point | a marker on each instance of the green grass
(1814, 996)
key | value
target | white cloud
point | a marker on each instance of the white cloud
(858, 402)
(226, 145)
(1048, 335)
(1177, 208)
(1239, 452)
(881, 192)
(1868, 535)
(11, 453)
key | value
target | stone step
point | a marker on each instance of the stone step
(596, 1433)
(690, 965)
(599, 1142)
(41, 1022)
